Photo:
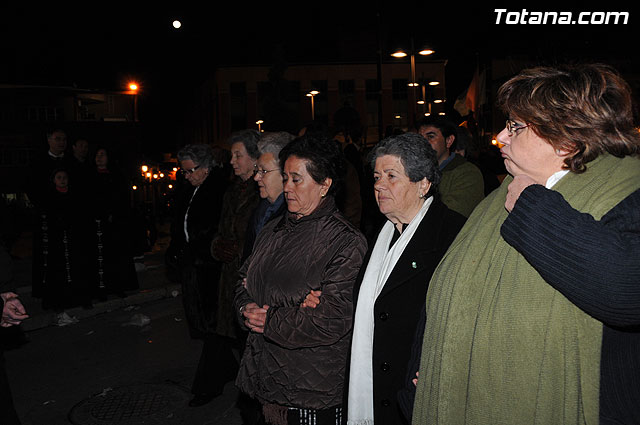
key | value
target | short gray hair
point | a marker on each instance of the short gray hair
(201, 154)
(274, 142)
(416, 155)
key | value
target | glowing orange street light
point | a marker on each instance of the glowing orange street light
(313, 94)
(133, 89)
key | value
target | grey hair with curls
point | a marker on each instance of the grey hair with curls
(416, 155)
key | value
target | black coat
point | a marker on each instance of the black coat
(397, 308)
(199, 272)
(202, 222)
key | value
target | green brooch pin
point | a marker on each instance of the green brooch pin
(414, 265)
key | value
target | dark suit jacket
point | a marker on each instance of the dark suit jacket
(397, 308)
(202, 222)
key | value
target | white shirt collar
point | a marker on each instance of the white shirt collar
(555, 178)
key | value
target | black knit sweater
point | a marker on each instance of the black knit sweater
(596, 265)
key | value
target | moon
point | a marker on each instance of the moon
(177, 24)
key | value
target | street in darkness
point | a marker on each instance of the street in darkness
(59, 369)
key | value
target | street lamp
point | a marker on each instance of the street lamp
(412, 82)
(312, 94)
(260, 122)
(133, 89)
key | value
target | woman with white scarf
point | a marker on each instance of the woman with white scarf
(391, 292)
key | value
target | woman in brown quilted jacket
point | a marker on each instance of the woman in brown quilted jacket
(295, 357)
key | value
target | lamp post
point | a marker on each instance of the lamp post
(133, 89)
(259, 122)
(412, 82)
(312, 94)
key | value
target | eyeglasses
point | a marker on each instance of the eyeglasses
(260, 172)
(191, 171)
(513, 127)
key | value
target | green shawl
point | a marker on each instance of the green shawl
(501, 346)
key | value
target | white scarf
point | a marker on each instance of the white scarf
(380, 266)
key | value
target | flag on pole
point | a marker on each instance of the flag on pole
(474, 97)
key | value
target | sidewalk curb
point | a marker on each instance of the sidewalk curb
(46, 319)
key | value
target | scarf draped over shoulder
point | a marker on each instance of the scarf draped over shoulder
(501, 345)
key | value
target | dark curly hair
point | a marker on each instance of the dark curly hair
(324, 159)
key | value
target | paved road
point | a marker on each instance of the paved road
(59, 367)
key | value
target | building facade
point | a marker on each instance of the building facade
(27, 113)
(273, 98)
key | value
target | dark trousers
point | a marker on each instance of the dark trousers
(216, 367)
(8, 415)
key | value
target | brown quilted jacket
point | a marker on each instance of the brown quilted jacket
(300, 359)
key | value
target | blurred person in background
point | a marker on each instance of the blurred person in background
(195, 224)
(239, 201)
(113, 217)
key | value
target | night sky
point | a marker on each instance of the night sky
(102, 46)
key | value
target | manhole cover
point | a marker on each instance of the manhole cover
(156, 404)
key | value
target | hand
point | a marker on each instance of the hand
(515, 188)
(312, 299)
(415, 380)
(224, 249)
(13, 312)
(255, 317)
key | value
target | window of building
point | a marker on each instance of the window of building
(43, 113)
(12, 156)
(238, 105)
(400, 99)
(321, 105)
(347, 92)
(372, 93)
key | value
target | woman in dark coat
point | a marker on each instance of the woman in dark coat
(295, 357)
(391, 290)
(66, 248)
(115, 269)
(196, 222)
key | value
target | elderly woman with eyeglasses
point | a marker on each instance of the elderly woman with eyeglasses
(532, 316)
(295, 357)
(193, 228)
(268, 177)
(218, 364)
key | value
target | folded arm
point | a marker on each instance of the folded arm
(594, 263)
(297, 326)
